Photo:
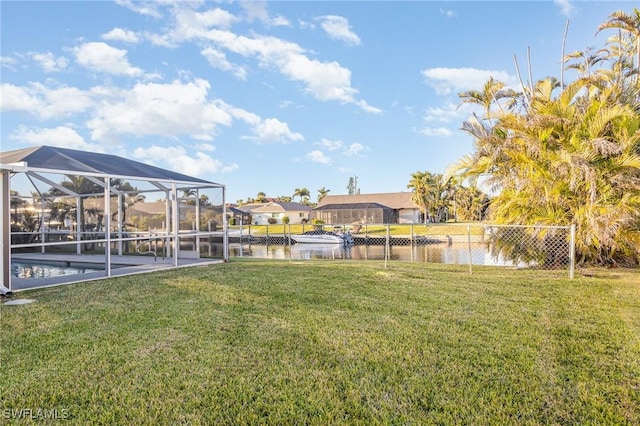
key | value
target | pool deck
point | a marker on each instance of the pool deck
(120, 266)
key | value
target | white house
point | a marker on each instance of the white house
(261, 213)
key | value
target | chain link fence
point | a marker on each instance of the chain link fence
(542, 247)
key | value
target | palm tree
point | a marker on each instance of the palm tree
(301, 192)
(572, 158)
(429, 193)
(629, 23)
(585, 60)
(322, 192)
(82, 188)
(130, 201)
(492, 93)
(261, 197)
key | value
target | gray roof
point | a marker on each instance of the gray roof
(394, 200)
(352, 206)
(81, 162)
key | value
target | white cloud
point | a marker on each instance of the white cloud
(306, 24)
(279, 21)
(44, 102)
(162, 40)
(331, 145)
(274, 130)
(448, 113)
(267, 130)
(368, 108)
(61, 136)
(171, 109)
(101, 57)
(326, 81)
(48, 61)
(447, 12)
(192, 24)
(8, 62)
(147, 8)
(205, 147)
(337, 28)
(180, 161)
(448, 80)
(317, 156)
(436, 131)
(354, 149)
(257, 10)
(217, 59)
(565, 6)
(119, 34)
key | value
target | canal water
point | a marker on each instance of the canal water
(450, 253)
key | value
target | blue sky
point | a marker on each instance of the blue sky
(273, 96)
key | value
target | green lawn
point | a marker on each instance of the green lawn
(277, 342)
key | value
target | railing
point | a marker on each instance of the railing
(151, 240)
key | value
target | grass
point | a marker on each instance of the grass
(277, 342)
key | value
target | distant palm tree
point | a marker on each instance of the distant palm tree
(428, 192)
(261, 197)
(301, 192)
(322, 192)
(83, 188)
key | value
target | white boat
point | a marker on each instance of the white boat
(319, 237)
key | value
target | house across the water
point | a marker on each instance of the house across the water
(260, 213)
(392, 207)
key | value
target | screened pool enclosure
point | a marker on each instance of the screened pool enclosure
(63, 206)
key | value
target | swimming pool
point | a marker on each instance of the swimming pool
(45, 270)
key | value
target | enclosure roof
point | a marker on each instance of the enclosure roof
(352, 206)
(394, 200)
(73, 161)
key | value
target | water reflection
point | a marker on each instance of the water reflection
(33, 270)
(454, 253)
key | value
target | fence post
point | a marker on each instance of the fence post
(572, 251)
(386, 248)
(469, 246)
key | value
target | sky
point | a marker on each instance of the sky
(274, 96)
